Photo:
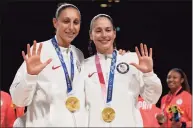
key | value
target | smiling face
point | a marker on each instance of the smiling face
(174, 80)
(67, 25)
(103, 35)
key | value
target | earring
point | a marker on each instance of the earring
(90, 48)
(114, 45)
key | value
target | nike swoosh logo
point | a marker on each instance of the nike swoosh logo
(89, 75)
(53, 68)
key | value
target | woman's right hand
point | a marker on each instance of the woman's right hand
(32, 59)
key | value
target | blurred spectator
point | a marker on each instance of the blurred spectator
(9, 112)
(179, 95)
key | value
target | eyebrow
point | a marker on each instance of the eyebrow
(68, 18)
(102, 27)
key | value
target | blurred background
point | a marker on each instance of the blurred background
(166, 26)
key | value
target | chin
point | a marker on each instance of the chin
(171, 87)
(69, 41)
(106, 47)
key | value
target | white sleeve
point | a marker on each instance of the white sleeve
(23, 87)
(150, 87)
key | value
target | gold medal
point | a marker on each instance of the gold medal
(161, 118)
(72, 104)
(108, 114)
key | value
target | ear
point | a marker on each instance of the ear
(55, 23)
(182, 80)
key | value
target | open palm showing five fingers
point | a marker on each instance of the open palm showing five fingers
(33, 62)
(145, 59)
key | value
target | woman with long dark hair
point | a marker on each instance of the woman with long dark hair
(179, 99)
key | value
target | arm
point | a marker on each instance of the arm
(150, 84)
(188, 111)
(24, 84)
(23, 87)
(161, 117)
(151, 87)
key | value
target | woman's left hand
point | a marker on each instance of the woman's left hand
(176, 124)
(145, 59)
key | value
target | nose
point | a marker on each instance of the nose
(104, 34)
(71, 26)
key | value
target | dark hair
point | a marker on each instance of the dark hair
(62, 6)
(90, 45)
(185, 84)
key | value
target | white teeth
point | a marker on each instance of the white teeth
(70, 33)
(104, 41)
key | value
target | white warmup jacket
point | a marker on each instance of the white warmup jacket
(45, 94)
(126, 90)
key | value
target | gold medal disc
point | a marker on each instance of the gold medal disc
(161, 118)
(108, 114)
(72, 104)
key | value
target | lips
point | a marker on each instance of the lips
(70, 34)
(171, 84)
(104, 41)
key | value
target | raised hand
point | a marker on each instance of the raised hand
(145, 59)
(33, 62)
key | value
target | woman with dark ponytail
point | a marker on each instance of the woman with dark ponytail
(179, 96)
(113, 82)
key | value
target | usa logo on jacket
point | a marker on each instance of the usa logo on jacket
(179, 101)
(123, 68)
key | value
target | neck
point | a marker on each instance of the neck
(173, 90)
(61, 42)
(105, 51)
